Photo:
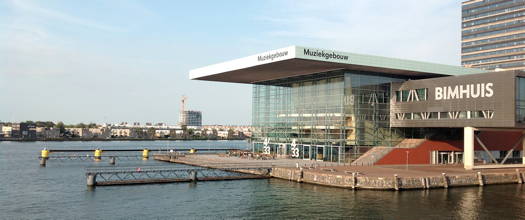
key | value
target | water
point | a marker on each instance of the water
(59, 192)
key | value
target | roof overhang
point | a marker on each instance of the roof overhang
(297, 61)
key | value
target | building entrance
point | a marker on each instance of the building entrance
(319, 153)
(447, 157)
(306, 152)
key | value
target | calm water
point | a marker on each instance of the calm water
(59, 192)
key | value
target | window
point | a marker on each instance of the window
(421, 94)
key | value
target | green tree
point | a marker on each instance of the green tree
(60, 125)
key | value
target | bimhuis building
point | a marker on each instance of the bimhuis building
(319, 104)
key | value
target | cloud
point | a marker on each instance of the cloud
(404, 29)
(29, 9)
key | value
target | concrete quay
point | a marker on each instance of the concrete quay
(363, 177)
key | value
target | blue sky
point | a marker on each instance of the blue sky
(113, 61)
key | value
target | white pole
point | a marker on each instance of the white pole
(468, 148)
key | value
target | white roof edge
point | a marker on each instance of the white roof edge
(271, 56)
(331, 56)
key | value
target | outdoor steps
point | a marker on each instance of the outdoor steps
(410, 143)
(376, 153)
(372, 156)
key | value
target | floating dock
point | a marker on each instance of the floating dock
(108, 176)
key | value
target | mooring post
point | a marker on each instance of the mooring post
(91, 179)
(445, 180)
(480, 179)
(396, 182)
(145, 154)
(354, 180)
(98, 154)
(301, 174)
(518, 174)
(193, 175)
(112, 160)
(44, 155)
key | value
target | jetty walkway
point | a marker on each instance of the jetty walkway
(392, 177)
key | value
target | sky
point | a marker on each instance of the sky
(128, 60)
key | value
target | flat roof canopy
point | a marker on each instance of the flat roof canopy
(296, 61)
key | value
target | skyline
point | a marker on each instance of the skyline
(129, 60)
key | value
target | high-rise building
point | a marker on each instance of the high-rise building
(493, 34)
(191, 118)
(188, 117)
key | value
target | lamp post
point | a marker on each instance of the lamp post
(407, 159)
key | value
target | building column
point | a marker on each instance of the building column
(523, 150)
(468, 148)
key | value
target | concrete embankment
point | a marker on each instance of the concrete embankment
(394, 182)
(361, 177)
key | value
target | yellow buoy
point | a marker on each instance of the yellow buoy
(44, 153)
(145, 154)
(98, 154)
(193, 150)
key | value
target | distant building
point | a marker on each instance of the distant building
(188, 117)
(23, 130)
(191, 118)
(47, 133)
(162, 133)
(7, 131)
(99, 132)
(80, 132)
(493, 34)
(121, 132)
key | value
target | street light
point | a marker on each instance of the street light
(407, 159)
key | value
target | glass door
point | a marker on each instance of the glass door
(320, 153)
(306, 152)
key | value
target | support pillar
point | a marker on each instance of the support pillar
(523, 150)
(91, 179)
(468, 148)
(193, 175)
(112, 160)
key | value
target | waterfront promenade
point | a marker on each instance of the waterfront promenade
(391, 177)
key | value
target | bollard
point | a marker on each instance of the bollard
(480, 179)
(354, 180)
(91, 179)
(301, 174)
(112, 160)
(193, 175)
(445, 180)
(518, 174)
(44, 155)
(98, 154)
(396, 182)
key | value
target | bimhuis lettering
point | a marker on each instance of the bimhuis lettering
(326, 55)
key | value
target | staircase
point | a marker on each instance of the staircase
(372, 156)
(410, 143)
(377, 153)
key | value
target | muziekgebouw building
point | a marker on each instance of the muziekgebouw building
(319, 104)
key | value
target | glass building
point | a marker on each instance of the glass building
(493, 34)
(327, 115)
(317, 104)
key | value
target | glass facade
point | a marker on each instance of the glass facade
(520, 99)
(325, 116)
(492, 34)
